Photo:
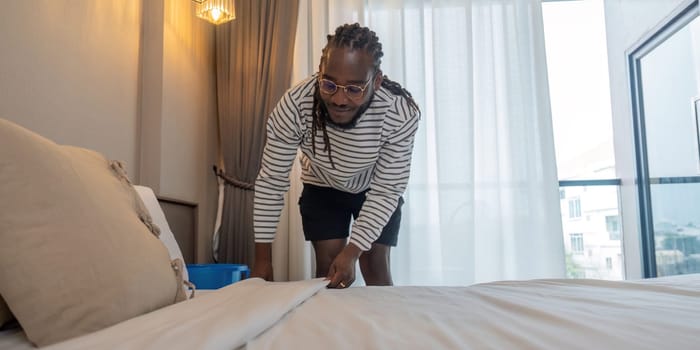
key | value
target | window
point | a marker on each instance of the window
(575, 208)
(562, 193)
(577, 67)
(608, 263)
(576, 243)
(612, 223)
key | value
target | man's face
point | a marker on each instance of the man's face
(351, 74)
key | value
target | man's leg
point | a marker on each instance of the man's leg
(326, 250)
(375, 265)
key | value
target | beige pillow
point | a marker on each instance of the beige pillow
(75, 256)
(5, 314)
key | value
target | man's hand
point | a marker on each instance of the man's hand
(262, 270)
(262, 267)
(342, 271)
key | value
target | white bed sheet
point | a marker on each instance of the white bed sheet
(539, 314)
(15, 339)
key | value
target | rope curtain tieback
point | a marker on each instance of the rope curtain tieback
(233, 181)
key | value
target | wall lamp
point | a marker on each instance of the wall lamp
(215, 11)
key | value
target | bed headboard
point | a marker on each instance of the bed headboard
(182, 218)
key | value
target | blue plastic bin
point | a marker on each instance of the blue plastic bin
(215, 276)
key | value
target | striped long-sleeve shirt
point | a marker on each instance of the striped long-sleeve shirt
(375, 154)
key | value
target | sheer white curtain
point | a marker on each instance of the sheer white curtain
(483, 199)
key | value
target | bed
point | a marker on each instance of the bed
(255, 314)
(537, 314)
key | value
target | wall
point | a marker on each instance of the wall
(192, 132)
(627, 21)
(132, 79)
(70, 72)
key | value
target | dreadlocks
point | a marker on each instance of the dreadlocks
(352, 36)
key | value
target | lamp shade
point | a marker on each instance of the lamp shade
(215, 11)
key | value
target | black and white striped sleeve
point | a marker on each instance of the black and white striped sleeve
(389, 180)
(283, 138)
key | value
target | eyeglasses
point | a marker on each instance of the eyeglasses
(353, 92)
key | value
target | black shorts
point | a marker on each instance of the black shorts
(326, 213)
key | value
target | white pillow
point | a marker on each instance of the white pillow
(166, 235)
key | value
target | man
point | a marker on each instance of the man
(355, 129)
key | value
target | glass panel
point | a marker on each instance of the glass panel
(670, 85)
(592, 239)
(676, 227)
(670, 77)
(579, 87)
(577, 68)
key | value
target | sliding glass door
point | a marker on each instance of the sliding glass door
(665, 80)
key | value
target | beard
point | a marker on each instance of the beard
(350, 124)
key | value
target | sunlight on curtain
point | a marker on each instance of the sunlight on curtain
(483, 199)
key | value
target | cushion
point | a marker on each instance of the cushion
(156, 212)
(75, 255)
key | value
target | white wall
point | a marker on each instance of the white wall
(627, 21)
(132, 79)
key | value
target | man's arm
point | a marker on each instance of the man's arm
(283, 138)
(262, 267)
(389, 182)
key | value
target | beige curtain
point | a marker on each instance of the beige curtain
(254, 65)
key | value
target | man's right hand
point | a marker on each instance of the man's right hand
(262, 270)
(262, 267)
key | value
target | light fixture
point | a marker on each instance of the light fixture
(215, 11)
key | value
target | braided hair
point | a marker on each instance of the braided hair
(351, 36)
